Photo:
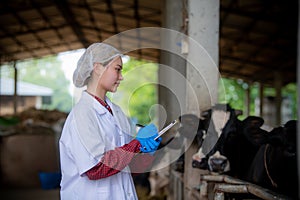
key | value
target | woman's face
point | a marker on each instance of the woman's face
(112, 75)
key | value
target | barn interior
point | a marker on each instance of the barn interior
(255, 41)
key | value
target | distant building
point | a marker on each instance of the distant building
(29, 95)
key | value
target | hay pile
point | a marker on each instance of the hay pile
(32, 121)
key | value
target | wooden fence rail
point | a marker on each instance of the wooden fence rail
(223, 184)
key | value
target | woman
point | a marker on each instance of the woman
(96, 145)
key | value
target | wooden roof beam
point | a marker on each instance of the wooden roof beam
(22, 22)
(46, 19)
(70, 18)
(93, 21)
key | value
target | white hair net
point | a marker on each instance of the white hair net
(95, 53)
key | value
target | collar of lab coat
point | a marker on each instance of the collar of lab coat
(100, 109)
(119, 118)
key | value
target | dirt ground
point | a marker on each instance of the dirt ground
(29, 194)
(39, 194)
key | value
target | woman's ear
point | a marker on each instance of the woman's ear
(98, 68)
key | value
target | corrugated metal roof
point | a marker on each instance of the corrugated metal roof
(257, 37)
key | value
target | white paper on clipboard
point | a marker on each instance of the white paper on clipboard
(166, 129)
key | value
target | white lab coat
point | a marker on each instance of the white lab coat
(89, 131)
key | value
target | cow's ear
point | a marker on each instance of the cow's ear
(238, 112)
(205, 114)
(291, 124)
(254, 121)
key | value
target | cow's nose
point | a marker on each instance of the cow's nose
(218, 164)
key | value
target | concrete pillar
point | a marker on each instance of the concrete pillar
(171, 89)
(0, 89)
(278, 98)
(247, 100)
(261, 99)
(196, 60)
(298, 103)
(202, 69)
(15, 88)
(202, 72)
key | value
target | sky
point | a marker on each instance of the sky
(69, 61)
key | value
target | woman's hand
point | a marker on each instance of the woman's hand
(146, 137)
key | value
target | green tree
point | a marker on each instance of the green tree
(138, 91)
(232, 91)
(46, 72)
(290, 90)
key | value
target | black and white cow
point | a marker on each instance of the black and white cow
(202, 131)
(246, 151)
(225, 123)
(235, 148)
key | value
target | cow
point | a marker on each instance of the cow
(246, 151)
(275, 164)
(234, 150)
(203, 131)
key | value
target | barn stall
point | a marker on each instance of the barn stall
(29, 156)
(253, 41)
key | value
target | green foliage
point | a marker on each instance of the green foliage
(290, 91)
(8, 121)
(233, 92)
(138, 91)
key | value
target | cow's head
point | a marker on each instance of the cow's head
(285, 137)
(243, 138)
(251, 128)
(290, 131)
(222, 121)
